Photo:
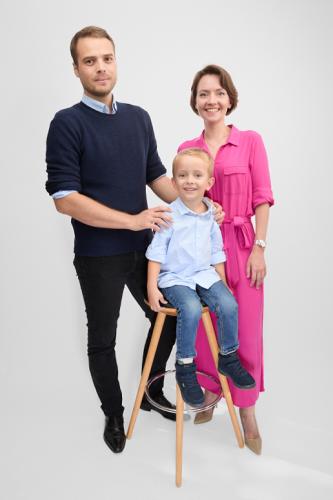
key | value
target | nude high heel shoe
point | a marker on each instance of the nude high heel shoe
(254, 443)
(205, 416)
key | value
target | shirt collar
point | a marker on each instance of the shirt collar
(100, 106)
(232, 139)
(183, 209)
(234, 136)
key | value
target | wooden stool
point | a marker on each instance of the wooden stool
(207, 322)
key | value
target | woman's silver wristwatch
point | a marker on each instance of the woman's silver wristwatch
(260, 243)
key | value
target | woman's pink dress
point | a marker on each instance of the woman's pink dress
(242, 183)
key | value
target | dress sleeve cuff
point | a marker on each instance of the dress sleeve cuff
(262, 195)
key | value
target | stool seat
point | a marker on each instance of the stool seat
(169, 310)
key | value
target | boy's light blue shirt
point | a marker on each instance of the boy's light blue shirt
(189, 248)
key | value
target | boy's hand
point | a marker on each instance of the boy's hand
(219, 268)
(155, 298)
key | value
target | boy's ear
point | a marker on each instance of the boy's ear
(173, 182)
(211, 182)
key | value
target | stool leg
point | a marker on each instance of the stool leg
(206, 319)
(146, 370)
(179, 436)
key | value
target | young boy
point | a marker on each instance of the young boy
(186, 266)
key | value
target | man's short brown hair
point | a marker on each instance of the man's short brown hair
(197, 152)
(88, 31)
(225, 81)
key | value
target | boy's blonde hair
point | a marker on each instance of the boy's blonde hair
(198, 153)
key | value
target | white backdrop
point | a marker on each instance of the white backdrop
(279, 55)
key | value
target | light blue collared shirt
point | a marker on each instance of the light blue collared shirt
(97, 106)
(100, 106)
(189, 248)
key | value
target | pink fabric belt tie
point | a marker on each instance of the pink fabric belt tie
(238, 229)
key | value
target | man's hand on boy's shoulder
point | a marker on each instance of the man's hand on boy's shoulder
(152, 218)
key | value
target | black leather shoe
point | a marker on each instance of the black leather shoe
(114, 434)
(161, 400)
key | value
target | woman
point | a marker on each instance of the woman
(242, 187)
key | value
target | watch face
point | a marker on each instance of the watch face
(260, 243)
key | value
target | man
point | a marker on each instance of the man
(101, 154)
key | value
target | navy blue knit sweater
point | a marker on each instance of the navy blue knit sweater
(109, 158)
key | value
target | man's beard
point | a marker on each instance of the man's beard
(98, 93)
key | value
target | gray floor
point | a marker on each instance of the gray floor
(52, 457)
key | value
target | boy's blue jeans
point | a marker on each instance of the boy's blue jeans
(189, 307)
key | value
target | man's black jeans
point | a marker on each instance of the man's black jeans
(102, 281)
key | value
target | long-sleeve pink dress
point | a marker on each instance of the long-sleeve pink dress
(242, 182)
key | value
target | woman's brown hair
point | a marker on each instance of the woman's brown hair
(225, 81)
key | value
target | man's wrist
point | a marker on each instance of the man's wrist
(130, 222)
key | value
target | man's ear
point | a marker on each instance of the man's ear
(211, 182)
(76, 71)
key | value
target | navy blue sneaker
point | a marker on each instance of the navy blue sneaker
(188, 384)
(230, 366)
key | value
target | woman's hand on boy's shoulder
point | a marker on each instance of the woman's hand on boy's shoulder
(219, 214)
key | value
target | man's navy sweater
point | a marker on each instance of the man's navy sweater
(109, 158)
